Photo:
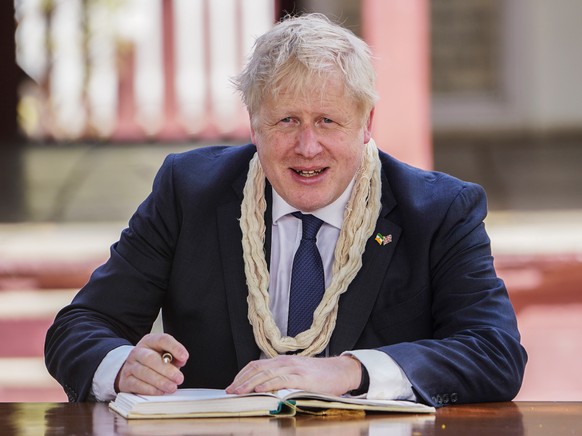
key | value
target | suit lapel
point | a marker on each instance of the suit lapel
(230, 237)
(357, 302)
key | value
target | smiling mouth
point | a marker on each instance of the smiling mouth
(310, 173)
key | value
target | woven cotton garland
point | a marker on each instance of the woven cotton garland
(359, 223)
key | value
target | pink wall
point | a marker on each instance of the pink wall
(398, 32)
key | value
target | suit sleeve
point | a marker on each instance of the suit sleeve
(122, 298)
(475, 353)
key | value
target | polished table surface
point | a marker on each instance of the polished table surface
(513, 418)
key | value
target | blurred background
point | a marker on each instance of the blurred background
(95, 93)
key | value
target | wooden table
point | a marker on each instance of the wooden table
(518, 418)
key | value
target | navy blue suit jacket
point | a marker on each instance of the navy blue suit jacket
(430, 298)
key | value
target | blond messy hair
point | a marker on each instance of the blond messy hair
(299, 50)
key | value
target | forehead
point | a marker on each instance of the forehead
(326, 93)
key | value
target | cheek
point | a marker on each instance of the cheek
(272, 144)
(353, 159)
(270, 157)
(354, 152)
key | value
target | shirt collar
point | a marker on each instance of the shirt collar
(332, 214)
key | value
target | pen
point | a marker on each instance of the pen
(167, 357)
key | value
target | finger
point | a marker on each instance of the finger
(146, 366)
(147, 382)
(252, 384)
(263, 375)
(166, 380)
(258, 366)
(137, 386)
(152, 361)
(247, 373)
(139, 377)
(168, 344)
(163, 342)
(274, 382)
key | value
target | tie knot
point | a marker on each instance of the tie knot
(311, 225)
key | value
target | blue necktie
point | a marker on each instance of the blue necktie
(307, 277)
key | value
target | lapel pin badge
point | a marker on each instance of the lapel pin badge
(383, 240)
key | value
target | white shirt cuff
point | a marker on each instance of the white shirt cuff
(103, 387)
(387, 380)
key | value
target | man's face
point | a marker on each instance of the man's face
(311, 146)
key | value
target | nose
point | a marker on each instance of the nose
(307, 142)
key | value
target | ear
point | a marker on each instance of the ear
(253, 130)
(368, 127)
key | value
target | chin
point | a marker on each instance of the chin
(311, 206)
(308, 199)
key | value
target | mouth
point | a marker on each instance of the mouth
(309, 173)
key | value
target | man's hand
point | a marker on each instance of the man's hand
(144, 371)
(332, 375)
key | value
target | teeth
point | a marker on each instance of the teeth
(310, 173)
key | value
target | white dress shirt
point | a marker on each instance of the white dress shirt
(387, 380)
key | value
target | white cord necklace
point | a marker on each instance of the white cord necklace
(359, 223)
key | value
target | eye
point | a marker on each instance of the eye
(327, 120)
(286, 120)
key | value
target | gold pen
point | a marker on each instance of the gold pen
(167, 357)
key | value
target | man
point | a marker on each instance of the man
(412, 307)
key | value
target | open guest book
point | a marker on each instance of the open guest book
(192, 403)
